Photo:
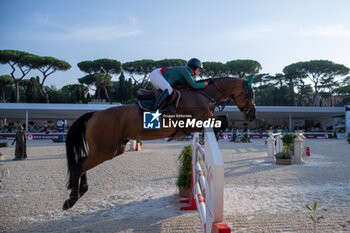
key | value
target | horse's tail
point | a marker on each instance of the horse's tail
(76, 144)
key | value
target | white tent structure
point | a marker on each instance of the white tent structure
(73, 111)
(47, 111)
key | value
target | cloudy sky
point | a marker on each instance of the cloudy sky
(276, 33)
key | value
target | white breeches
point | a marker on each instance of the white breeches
(159, 81)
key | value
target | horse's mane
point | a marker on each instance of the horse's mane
(209, 80)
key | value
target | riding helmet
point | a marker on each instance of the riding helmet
(194, 63)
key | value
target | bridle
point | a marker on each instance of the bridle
(247, 90)
(211, 99)
(249, 94)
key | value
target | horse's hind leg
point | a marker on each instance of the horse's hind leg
(92, 160)
(74, 185)
(83, 187)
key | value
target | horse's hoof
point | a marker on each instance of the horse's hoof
(67, 205)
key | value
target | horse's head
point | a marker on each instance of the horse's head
(245, 99)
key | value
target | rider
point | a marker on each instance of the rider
(165, 78)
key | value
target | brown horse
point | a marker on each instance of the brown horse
(107, 132)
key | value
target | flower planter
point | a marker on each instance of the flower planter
(284, 161)
(184, 192)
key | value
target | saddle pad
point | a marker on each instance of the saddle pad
(148, 105)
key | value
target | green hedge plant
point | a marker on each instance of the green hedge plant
(245, 138)
(184, 169)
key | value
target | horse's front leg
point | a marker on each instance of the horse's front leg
(121, 147)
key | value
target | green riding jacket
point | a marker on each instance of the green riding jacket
(181, 75)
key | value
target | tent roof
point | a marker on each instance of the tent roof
(73, 111)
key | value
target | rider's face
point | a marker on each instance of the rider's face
(197, 71)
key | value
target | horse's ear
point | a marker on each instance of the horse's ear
(249, 82)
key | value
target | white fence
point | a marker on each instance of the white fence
(275, 145)
(208, 187)
(299, 148)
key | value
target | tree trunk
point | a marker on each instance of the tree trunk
(315, 96)
(144, 81)
(17, 91)
(314, 99)
(300, 96)
(106, 94)
(46, 96)
(291, 92)
(2, 95)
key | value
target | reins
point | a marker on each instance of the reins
(211, 98)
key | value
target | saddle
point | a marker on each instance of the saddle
(145, 94)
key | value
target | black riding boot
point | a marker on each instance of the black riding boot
(161, 98)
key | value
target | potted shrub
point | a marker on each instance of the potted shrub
(184, 171)
(349, 138)
(288, 143)
(245, 138)
(285, 156)
(288, 139)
